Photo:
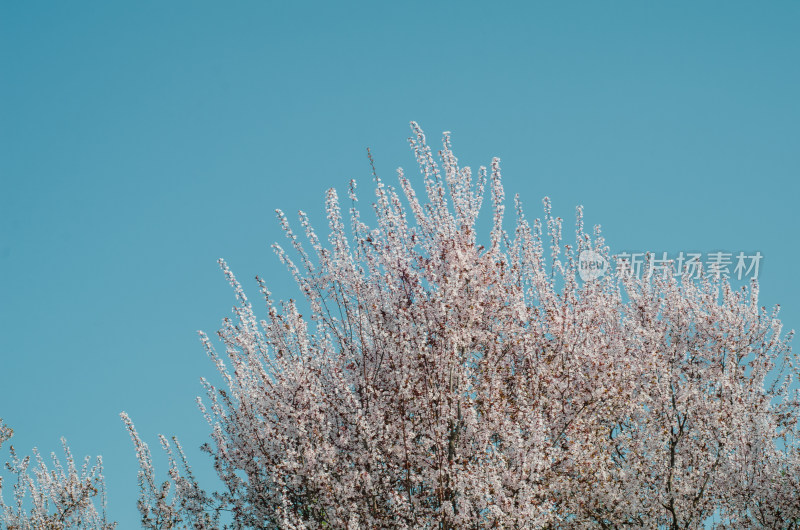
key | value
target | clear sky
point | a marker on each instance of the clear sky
(141, 141)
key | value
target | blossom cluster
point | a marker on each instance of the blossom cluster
(58, 498)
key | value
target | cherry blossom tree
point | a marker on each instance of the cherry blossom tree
(428, 381)
(54, 499)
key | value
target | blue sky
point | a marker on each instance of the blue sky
(139, 142)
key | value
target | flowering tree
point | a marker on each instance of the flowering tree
(54, 499)
(438, 383)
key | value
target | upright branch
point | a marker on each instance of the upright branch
(56, 498)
